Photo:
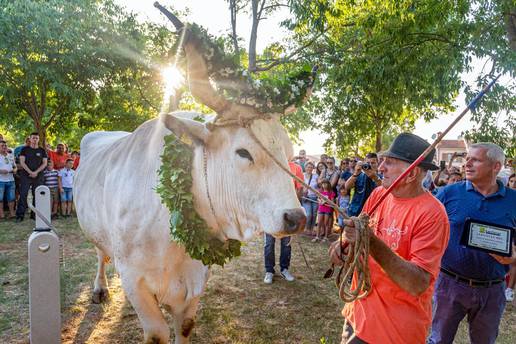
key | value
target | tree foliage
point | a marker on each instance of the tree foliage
(70, 66)
(390, 62)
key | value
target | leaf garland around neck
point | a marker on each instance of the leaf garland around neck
(187, 228)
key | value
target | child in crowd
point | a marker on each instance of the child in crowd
(325, 212)
(52, 181)
(343, 202)
(66, 176)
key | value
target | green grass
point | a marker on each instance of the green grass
(236, 308)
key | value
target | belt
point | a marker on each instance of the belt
(470, 281)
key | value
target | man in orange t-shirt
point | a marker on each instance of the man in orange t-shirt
(59, 156)
(410, 232)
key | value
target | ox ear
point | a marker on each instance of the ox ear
(185, 129)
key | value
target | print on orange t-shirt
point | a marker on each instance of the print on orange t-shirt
(417, 229)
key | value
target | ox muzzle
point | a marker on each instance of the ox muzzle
(294, 221)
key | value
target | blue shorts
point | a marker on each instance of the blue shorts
(7, 190)
(66, 195)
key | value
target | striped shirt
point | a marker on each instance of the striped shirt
(51, 178)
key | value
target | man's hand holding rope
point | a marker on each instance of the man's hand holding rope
(352, 252)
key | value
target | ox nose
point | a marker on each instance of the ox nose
(294, 220)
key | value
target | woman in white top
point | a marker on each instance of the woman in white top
(7, 170)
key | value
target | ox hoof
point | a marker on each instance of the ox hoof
(187, 327)
(155, 340)
(100, 296)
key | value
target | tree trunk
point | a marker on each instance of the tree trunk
(174, 100)
(254, 34)
(234, 10)
(42, 134)
(39, 127)
(378, 140)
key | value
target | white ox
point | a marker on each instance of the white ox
(120, 211)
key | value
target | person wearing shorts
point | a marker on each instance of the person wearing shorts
(325, 212)
(7, 170)
(66, 176)
(52, 182)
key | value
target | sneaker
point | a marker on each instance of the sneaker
(509, 295)
(268, 278)
(286, 275)
(316, 239)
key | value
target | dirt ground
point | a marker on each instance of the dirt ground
(237, 306)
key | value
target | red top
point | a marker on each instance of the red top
(298, 171)
(416, 229)
(59, 160)
(76, 162)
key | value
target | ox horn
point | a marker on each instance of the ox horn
(198, 77)
(177, 23)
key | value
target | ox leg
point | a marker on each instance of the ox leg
(155, 328)
(100, 288)
(184, 321)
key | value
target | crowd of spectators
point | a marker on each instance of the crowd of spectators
(351, 183)
(25, 167)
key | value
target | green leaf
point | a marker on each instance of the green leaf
(187, 228)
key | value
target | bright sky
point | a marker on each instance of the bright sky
(215, 16)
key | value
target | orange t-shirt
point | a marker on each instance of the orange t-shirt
(58, 160)
(417, 229)
(298, 171)
(76, 162)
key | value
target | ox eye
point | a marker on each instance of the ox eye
(244, 153)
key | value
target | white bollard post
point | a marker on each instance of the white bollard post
(44, 290)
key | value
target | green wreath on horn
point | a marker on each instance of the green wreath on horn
(267, 92)
(187, 228)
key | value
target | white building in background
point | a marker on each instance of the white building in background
(446, 148)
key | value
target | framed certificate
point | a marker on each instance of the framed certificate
(488, 237)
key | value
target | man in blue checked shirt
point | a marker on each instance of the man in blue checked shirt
(471, 282)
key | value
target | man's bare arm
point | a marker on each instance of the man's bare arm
(350, 183)
(334, 179)
(405, 274)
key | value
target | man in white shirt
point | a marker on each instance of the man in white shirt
(7, 170)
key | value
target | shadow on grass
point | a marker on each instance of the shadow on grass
(88, 323)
